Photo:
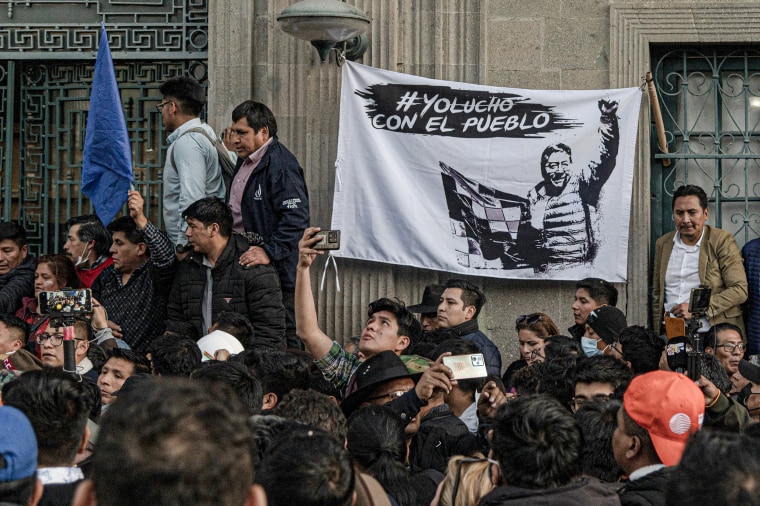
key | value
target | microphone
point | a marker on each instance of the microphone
(677, 350)
(69, 355)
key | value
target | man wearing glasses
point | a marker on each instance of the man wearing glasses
(191, 170)
(51, 347)
(724, 340)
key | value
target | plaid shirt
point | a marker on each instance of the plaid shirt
(139, 307)
(338, 366)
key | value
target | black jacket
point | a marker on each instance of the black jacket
(649, 490)
(17, 284)
(253, 292)
(582, 492)
(440, 436)
(275, 205)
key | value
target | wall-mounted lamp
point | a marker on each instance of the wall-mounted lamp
(327, 24)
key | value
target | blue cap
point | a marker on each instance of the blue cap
(18, 445)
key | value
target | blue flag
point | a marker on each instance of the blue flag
(107, 161)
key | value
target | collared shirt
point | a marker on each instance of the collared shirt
(241, 180)
(643, 471)
(139, 307)
(197, 175)
(338, 366)
(470, 416)
(59, 475)
(683, 274)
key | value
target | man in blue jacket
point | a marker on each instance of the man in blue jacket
(268, 197)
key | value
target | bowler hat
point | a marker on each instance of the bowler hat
(372, 373)
(431, 297)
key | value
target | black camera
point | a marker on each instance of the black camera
(699, 303)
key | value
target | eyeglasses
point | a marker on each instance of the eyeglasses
(390, 396)
(527, 319)
(55, 339)
(730, 347)
(469, 460)
(162, 104)
(577, 402)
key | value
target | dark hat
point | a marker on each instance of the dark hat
(373, 372)
(608, 322)
(431, 297)
(750, 371)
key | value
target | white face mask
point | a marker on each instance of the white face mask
(83, 258)
(589, 347)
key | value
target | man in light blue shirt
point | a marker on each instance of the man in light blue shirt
(191, 170)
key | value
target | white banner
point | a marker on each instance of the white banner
(486, 181)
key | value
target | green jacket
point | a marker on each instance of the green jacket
(720, 267)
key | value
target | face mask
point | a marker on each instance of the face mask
(589, 347)
(82, 259)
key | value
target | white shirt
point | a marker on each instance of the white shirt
(683, 274)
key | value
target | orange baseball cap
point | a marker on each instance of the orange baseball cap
(670, 406)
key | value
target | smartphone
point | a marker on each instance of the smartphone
(466, 366)
(330, 239)
(65, 301)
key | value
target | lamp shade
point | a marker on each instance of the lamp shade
(327, 21)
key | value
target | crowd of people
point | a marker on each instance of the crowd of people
(190, 367)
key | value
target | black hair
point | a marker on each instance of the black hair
(174, 441)
(210, 210)
(429, 340)
(688, 190)
(189, 94)
(237, 325)
(57, 405)
(408, 324)
(598, 421)
(459, 346)
(377, 442)
(93, 391)
(603, 369)
(128, 227)
(537, 442)
(17, 327)
(723, 467)
(526, 380)
(173, 355)
(711, 336)
(278, 371)
(471, 294)
(12, 231)
(91, 229)
(554, 148)
(642, 348)
(558, 379)
(140, 364)
(237, 377)
(603, 292)
(561, 346)
(266, 430)
(314, 409)
(18, 491)
(257, 115)
(312, 460)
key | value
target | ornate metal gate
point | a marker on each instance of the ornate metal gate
(45, 78)
(710, 99)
